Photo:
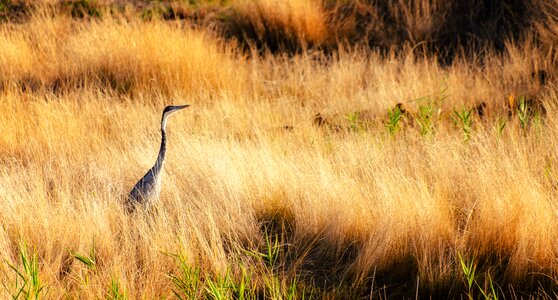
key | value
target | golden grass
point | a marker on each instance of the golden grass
(303, 21)
(81, 102)
(60, 53)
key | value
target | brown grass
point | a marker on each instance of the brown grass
(357, 211)
(442, 28)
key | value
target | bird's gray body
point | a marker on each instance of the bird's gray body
(146, 191)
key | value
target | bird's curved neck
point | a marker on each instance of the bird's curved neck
(164, 123)
(161, 157)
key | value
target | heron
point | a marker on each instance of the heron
(146, 191)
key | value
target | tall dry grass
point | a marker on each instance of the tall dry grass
(61, 54)
(280, 25)
(357, 211)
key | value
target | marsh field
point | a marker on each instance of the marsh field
(355, 149)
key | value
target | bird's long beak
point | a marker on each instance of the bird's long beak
(176, 108)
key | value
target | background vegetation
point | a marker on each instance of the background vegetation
(295, 173)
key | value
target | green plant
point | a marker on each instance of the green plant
(190, 284)
(229, 287)
(220, 288)
(90, 261)
(272, 287)
(292, 290)
(217, 289)
(354, 123)
(187, 283)
(491, 294)
(464, 120)
(523, 113)
(27, 282)
(271, 251)
(426, 107)
(276, 284)
(500, 126)
(285, 288)
(469, 268)
(395, 116)
(115, 291)
(241, 289)
(425, 119)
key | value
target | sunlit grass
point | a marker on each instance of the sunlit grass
(257, 200)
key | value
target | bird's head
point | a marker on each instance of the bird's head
(168, 111)
(173, 108)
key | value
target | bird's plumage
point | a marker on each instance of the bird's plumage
(147, 189)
